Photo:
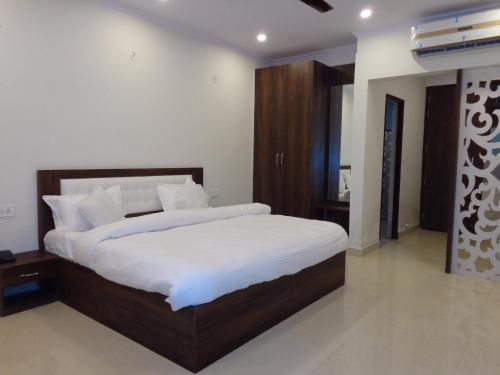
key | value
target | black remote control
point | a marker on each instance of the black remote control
(6, 256)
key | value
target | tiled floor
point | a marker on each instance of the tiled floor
(398, 314)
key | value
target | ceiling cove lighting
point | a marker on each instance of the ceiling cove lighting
(262, 37)
(366, 13)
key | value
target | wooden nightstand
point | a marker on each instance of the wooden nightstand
(35, 267)
(337, 212)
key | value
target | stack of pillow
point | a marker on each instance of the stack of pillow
(83, 212)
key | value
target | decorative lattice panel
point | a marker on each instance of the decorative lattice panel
(477, 207)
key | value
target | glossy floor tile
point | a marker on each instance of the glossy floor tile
(398, 314)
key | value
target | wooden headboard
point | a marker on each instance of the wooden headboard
(49, 183)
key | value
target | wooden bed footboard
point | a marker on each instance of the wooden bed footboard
(195, 337)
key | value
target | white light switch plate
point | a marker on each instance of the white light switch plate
(8, 210)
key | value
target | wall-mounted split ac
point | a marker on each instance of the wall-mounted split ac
(456, 34)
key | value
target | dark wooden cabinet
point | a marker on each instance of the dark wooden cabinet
(37, 267)
(292, 115)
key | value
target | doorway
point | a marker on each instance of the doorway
(391, 167)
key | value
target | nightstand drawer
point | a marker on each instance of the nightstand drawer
(28, 273)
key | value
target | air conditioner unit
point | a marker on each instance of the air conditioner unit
(456, 34)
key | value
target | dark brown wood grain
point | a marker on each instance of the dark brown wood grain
(343, 74)
(29, 267)
(437, 166)
(195, 337)
(298, 134)
(270, 120)
(292, 109)
(49, 183)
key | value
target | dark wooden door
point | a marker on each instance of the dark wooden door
(437, 164)
(269, 137)
(296, 149)
(279, 133)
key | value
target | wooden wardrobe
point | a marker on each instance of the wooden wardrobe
(292, 116)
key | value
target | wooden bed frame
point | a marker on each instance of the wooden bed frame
(193, 337)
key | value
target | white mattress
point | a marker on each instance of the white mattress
(196, 256)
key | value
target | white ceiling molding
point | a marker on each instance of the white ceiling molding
(342, 53)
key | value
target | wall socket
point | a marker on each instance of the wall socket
(7, 210)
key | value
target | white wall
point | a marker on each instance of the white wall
(441, 79)
(412, 91)
(386, 54)
(70, 97)
(346, 135)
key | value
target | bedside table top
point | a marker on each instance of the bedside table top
(30, 257)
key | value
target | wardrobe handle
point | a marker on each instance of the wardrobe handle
(282, 155)
(277, 156)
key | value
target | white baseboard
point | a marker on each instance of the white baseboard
(368, 249)
(364, 251)
(409, 230)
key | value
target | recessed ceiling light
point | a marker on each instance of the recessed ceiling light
(262, 37)
(162, 1)
(366, 13)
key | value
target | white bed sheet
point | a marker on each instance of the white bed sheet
(61, 243)
(196, 256)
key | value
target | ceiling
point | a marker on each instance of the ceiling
(292, 27)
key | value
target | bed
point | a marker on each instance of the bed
(190, 333)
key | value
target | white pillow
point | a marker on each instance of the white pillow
(115, 193)
(65, 213)
(100, 209)
(67, 216)
(181, 197)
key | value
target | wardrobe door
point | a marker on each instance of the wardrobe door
(269, 120)
(296, 150)
(278, 133)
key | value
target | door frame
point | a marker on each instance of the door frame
(397, 163)
(455, 134)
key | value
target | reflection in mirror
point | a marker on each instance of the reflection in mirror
(346, 143)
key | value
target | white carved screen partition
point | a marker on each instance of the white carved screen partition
(476, 249)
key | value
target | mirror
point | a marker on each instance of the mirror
(344, 194)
